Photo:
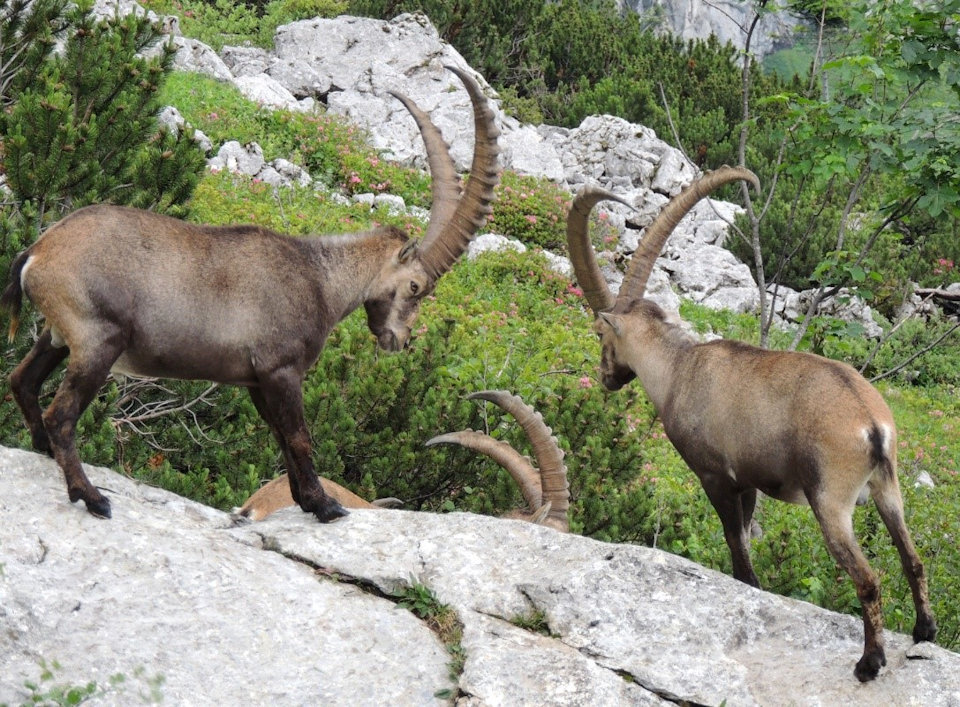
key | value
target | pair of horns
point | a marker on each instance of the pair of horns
(634, 284)
(456, 214)
(547, 492)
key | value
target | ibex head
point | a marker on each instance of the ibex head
(393, 301)
(613, 328)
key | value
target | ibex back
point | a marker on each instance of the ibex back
(147, 295)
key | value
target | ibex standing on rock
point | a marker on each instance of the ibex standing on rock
(147, 295)
(798, 427)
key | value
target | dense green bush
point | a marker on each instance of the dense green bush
(80, 126)
(531, 209)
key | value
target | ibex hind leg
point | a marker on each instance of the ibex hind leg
(836, 522)
(890, 506)
(84, 376)
(26, 381)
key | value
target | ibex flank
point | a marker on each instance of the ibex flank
(146, 295)
(798, 427)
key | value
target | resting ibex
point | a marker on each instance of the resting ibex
(798, 427)
(546, 492)
(146, 295)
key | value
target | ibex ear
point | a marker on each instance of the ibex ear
(407, 251)
(613, 321)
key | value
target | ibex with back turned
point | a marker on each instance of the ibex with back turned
(798, 427)
(147, 295)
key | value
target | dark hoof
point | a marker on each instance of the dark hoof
(329, 511)
(99, 507)
(925, 629)
(41, 443)
(869, 665)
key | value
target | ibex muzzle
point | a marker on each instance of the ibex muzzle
(129, 290)
(798, 427)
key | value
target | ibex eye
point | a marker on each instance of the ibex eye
(414, 287)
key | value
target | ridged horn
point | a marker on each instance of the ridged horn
(657, 233)
(555, 488)
(446, 241)
(456, 215)
(517, 465)
(582, 256)
(445, 182)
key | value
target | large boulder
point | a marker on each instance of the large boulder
(169, 600)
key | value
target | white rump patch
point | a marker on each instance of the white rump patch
(23, 272)
(885, 436)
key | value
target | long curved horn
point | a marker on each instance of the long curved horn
(445, 182)
(582, 256)
(553, 472)
(453, 225)
(517, 465)
(657, 233)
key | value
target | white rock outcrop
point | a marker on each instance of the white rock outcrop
(191, 610)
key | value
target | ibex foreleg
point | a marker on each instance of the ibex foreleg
(279, 401)
(87, 370)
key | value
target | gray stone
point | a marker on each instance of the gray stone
(524, 148)
(492, 242)
(163, 590)
(193, 55)
(171, 120)
(705, 271)
(299, 77)
(193, 610)
(203, 142)
(241, 159)
(291, 173)
(924, 480)
(245, 61)
(726, 19)
(394, 203)
(266, 91)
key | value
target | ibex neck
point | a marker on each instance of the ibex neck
(348, 265)
(656, 358)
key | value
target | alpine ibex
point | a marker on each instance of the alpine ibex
(147, 295)
(546, 492)
(798, 427)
